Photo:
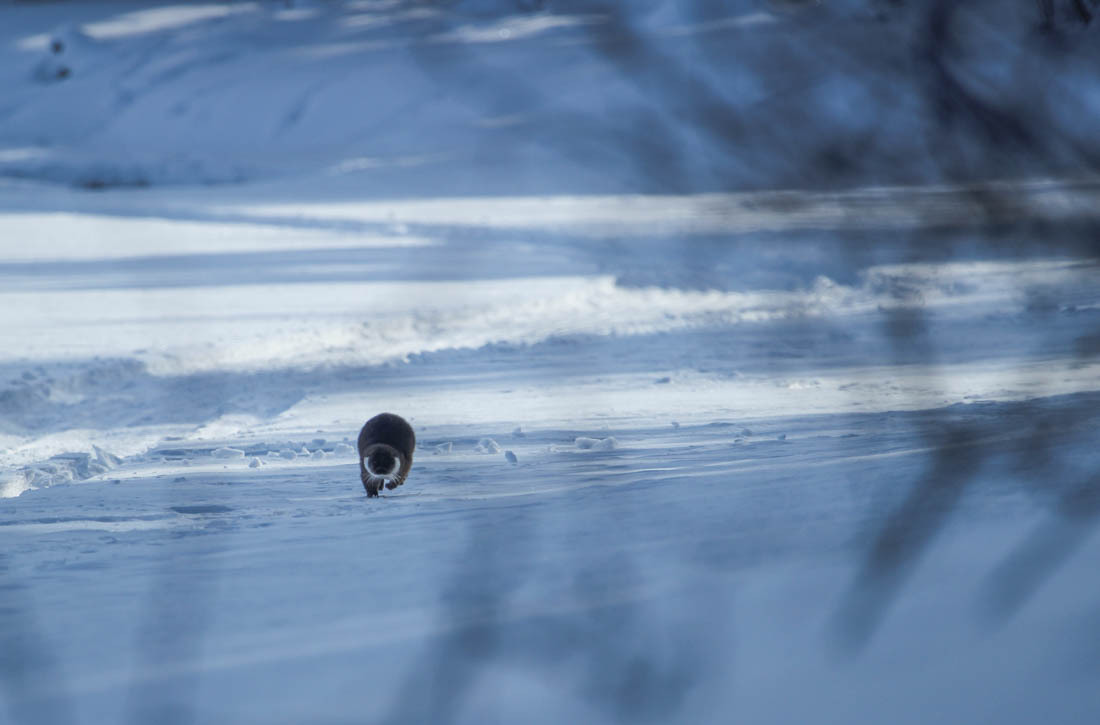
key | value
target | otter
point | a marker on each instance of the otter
(386, 445)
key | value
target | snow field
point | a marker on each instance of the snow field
(748, 385)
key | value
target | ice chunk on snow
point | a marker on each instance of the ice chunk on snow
(288, 454)
(518, 433)
(511, 457)
(14, 483)
(596, 444)
(488, 445)
(317, 455)
(442, 448)
(107, 459)
(227, 453)
(62, 468)
(95, 468)
(254, 463)
(342, 449)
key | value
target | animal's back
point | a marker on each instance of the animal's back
(389, 429)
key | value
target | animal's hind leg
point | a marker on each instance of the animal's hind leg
(372, 488)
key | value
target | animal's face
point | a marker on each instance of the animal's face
(381, 462)
(382, 466)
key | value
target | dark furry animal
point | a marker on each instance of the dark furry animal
(386, 445)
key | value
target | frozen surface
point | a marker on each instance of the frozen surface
(712, 454)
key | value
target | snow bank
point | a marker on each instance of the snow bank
(304, 325)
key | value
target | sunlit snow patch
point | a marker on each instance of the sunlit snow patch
(151, 20)
(78, 236)
(518, 27)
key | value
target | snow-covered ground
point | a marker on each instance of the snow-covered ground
(709, 455)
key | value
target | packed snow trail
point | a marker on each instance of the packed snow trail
(697, 558)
